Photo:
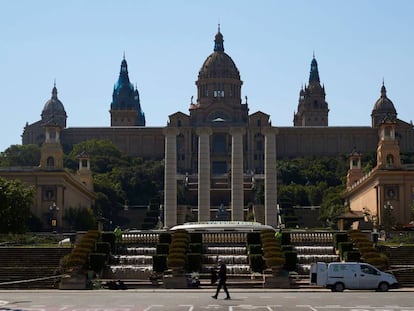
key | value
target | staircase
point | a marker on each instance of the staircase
(401, 262)
(30, 268)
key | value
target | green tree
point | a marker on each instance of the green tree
(15, 202)
(81, 218)
(20, 155)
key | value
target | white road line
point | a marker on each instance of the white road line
(307, 306)
(149, 307)
(3, 302)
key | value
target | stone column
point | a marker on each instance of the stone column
(270, 187)
(170, 177)
(204, 171)
(237, 188)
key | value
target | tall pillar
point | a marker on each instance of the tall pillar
(237, 189)
(270, 187)
(170, 177)
(204, 173)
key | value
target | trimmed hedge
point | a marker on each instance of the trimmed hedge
(291, 260)
(163, 248)
(193, 262)
(110, 238)
(164, 237)
(253, 238)
(195, 248)
(159, 263)
(97, 261)
(257, 263)
(255, 249)
(196, 237)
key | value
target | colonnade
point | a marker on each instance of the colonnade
(204, 173)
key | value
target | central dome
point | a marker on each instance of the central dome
(219, 64)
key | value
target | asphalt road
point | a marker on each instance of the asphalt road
(196, 299)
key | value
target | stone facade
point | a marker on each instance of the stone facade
(219, 150)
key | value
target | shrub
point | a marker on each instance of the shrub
(97, 261)
(345, 247)
(193, 262)
(285, 240)
(291, 259)
(257, 263)
(103, 247)
(159, 263)
(163, 248)
(253, 238)
(352, 256)
(175, 262)
(255, 249)
(164, 237)
(110, 238)
(195, 248)
(196, 238)
(340, 237)
(274, 261)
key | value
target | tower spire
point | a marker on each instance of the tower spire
(218, 41)
(314, 73)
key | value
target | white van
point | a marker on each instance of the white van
(350, 275)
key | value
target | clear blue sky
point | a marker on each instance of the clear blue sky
(80, 43)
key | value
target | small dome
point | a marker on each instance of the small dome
(54, 112)
(219, 64)
(384, 104)
(54, 106)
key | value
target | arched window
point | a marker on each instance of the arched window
(390, 159)
(50, 162)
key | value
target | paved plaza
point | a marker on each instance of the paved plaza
(191, 300)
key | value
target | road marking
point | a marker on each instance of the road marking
(307, 306)
(149, 307)
(3, 302)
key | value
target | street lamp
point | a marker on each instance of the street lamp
(387, 218)
(53, 211)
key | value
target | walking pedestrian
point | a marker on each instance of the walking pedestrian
(222, 275)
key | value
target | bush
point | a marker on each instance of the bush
(103, 247)
(285, 240)
(287, 248)
(253, 238)
(164, 237)
(193, 262)
(97, 261)
(163, 248)
(340, 237)
(345, 247)
(352, 256)
(178, 244)
(257, 263)
(159, 263)
(110, 238)
(291, 259)
(175, 262)
(255, 249)
(195, 248)
(274, 261)
(196, 238)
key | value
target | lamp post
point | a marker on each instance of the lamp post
(54, 209)
(387, 219)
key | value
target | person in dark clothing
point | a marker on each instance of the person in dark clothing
(222, 275)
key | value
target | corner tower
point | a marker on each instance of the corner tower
(312, 108)
(126, 107)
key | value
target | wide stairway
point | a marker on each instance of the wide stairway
(229, 247)
(132, 262)
(401, 262)
(30, 268)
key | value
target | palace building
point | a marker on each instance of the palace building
(219, 150)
